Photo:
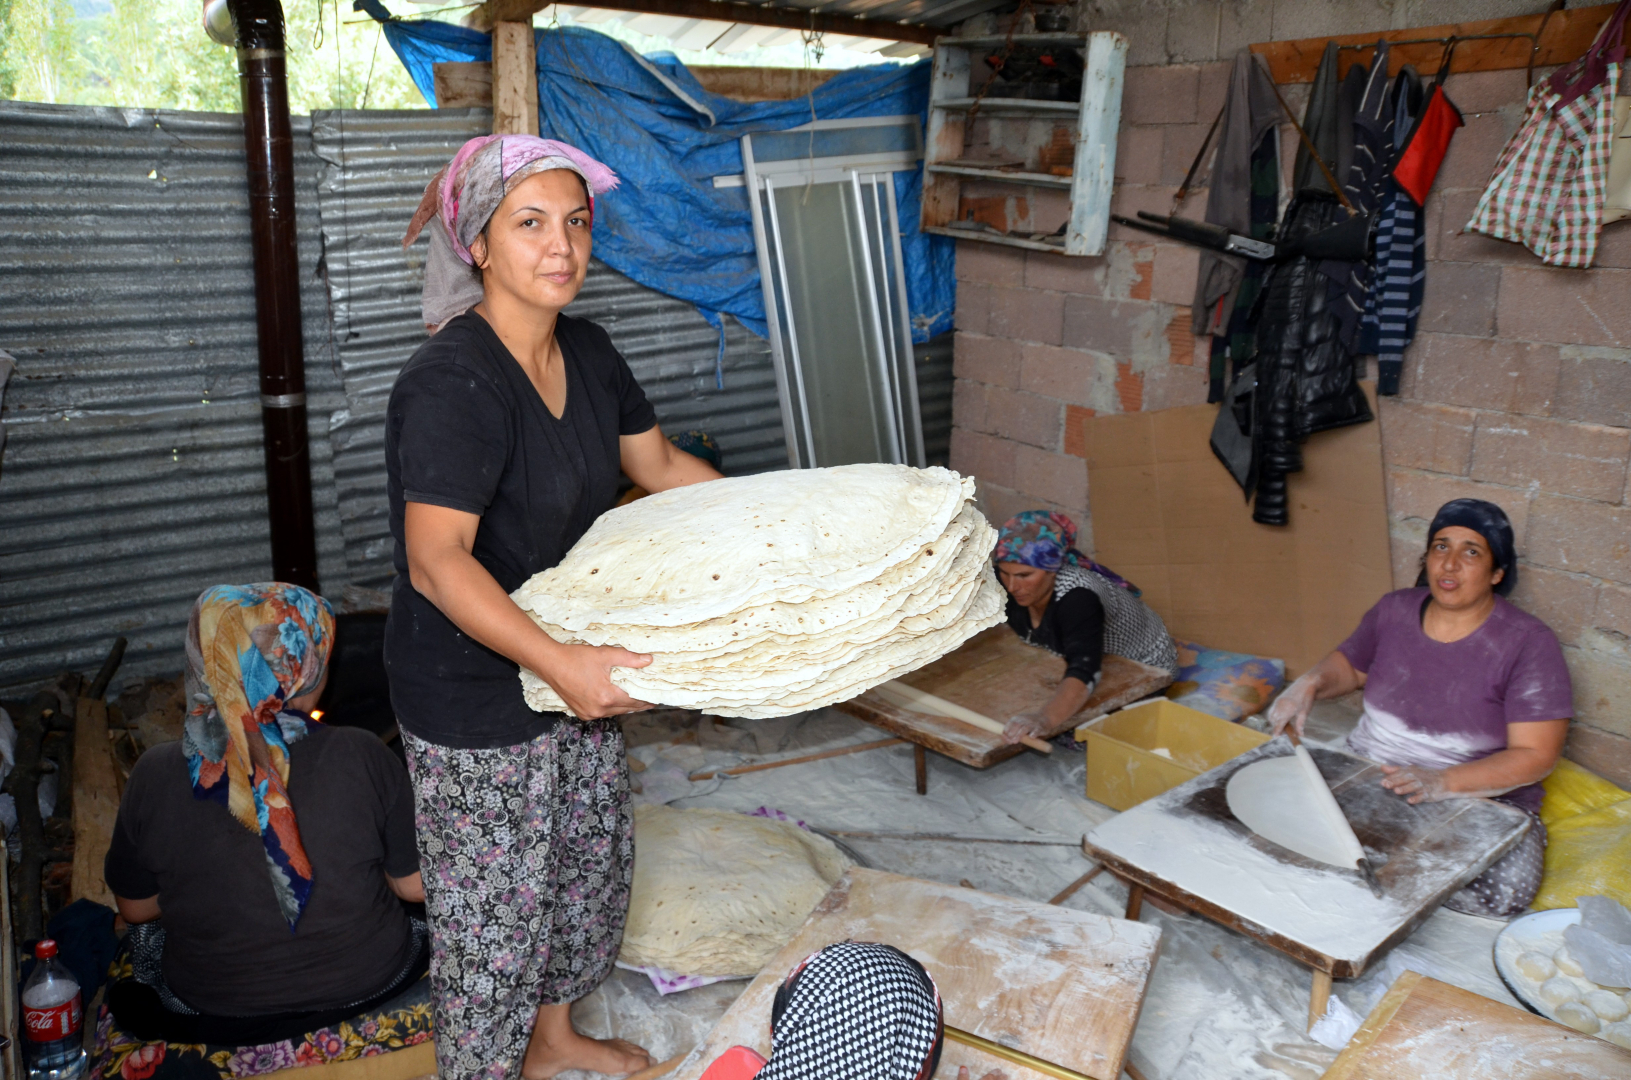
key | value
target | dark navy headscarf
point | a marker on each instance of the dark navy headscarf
(1487, 520)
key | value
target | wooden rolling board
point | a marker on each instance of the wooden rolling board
(998, 675)
(1425, 1028)
(1062, 985)
(1185, 845)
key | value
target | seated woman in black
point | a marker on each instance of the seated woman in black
(278, 850)
(1065, 602)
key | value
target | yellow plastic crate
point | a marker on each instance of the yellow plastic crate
(1123, 768)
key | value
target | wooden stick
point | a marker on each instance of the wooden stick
(1319, 997)
(1070, 890)
(738, 770)
(1135, 901)
(1018, 1057)
(662, 1068)
(920, 762)
(942, 836)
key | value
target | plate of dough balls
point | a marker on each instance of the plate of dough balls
(1540, 959)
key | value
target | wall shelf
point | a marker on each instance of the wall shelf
(1092, 124)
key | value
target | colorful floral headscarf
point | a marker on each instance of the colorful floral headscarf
(1047, 540)
(250, 648)
(464, 196)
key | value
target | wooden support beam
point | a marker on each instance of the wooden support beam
(1568, 34)
(463, 84)
(515, 79)
(96, 801)
(728, 11)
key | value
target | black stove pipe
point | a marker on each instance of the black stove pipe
(270, 146)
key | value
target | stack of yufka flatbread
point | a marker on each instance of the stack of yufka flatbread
(766, 595)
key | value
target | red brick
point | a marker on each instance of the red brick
(1594, 385)
(1213, 87)
(1483, 373)
(1447, 215)
(1143, 284)
(1110, 326)
(1178, 152)
(1613, 613)
(1614, 247)
(1164, 94)
(973, 307)
(1138, 155)
(999, 503)
(1572, 307)
(968, 405)
(1129, 388)
(1414, 496)
(984, 456)
(1459, 298)
(1180, 338)
(992, 264)
(1604, 753)
(1059, 478)
(1169, 386)
(1474, 150)
(1432, 437)
(1073, 376)
(1173, 279)
(986, 359)
(1026, 315)
(1602, 690)
(1065, 273)
(1581, 536)
(1587, 461)
(1025, 418)
(1565, 602)
(1486, 91)
(1075, 433)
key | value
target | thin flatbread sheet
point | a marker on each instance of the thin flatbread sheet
(1274, 799)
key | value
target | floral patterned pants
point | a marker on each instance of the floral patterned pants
(527, 853)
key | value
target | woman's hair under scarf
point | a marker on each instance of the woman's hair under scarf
(1487, 520)
(463, 197)
(856, 1011)
(1047, 540)
(250, 648)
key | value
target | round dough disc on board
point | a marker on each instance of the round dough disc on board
(1271, 798)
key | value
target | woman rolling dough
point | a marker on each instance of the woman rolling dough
(504, 437)
(1465, 695)
(1066, 603)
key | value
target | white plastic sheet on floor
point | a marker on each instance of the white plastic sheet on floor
(1219, 1006)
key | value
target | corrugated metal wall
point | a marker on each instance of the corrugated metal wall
(133, 475)
(375, 165)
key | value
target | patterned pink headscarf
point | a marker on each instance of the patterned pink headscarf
(464, 196)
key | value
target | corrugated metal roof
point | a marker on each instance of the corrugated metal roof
(133, 472)
(376, 164)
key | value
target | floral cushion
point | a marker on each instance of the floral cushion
(1229, 685)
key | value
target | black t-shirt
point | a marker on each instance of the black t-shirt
(227, 949)
(466, 429)
(1072, 627)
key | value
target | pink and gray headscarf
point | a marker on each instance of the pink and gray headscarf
(463, 197)
(1046, 540)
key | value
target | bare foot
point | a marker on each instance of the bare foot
(555, 1048)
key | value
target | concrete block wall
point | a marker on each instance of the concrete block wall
(1517, 388)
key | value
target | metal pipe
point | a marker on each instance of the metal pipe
(269, 144)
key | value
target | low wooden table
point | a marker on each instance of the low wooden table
(1424, 1028)
(997, 675)
(1065, 986)
(1186, 847)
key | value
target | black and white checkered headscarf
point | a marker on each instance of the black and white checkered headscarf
(856, 1011)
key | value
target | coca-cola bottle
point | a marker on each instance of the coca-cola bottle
(53, 1014)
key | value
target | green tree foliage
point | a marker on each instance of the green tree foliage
(154, 53)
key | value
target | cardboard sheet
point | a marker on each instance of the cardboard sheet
(1167, 516)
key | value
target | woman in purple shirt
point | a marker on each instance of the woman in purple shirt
(1465, 695)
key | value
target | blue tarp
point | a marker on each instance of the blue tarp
(649, 119)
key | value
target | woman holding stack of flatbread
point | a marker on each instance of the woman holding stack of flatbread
(1466, 696)
(505, 435)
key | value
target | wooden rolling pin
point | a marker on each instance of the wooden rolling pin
(921, 701)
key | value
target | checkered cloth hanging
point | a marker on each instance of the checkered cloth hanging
(1550, 183)
(855, 1011)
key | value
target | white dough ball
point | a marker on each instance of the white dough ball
(1618, 1034)
(1565, 961)
(1536, 965)
(1577, 1016)
(1607, 1004)
(1557, 990)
